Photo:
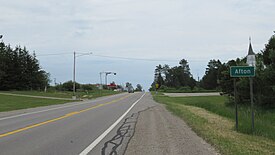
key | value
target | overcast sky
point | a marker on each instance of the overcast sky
(164, 30)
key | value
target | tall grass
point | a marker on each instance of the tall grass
(264, 119)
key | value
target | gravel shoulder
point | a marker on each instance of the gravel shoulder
(158, 132)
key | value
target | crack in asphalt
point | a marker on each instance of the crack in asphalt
(118, 144)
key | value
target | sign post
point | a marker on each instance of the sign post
(236, 105)
(157, 87)
(243, 71)
(252, 103)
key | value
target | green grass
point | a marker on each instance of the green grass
(8, 103)
(65, 94)
(189, 108)
(187, 91)
(97, 93)
(42, 93)
(264, 119)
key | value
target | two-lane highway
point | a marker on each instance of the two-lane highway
(73, 128)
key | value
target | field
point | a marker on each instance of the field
(8, 102)
(215, 122)
(65, 94)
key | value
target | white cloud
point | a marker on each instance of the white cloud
(161, 29)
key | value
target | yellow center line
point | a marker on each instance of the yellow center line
(59, 118)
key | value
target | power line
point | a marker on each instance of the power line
(142, 59)
(106, 56)
(53, 54)
(126, 58)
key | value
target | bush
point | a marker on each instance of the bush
(68, 86)
(88, 87)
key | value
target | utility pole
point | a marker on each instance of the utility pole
(54, 81)
(81, 54)
(100, 87)
(74, 97)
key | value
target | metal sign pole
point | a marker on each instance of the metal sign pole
(252, 103)
(236, 106)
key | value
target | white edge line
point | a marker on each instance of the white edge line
(66, 106)
(104, 134)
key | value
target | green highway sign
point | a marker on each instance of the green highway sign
(242, 71)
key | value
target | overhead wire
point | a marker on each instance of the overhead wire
(128, 58)
(53, 54)
(124, 58)
(107, 56)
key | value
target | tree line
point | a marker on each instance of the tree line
(20, 70)
(178, 77)
(217, 77)
(68, 86)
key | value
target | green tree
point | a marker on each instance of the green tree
(185, 67)
(158, 75)
(20, 70)
(226, 82)
(172, 77)
(268, 55)
(128, 84)
(266, 80)
(175, 77)
(139, 87)
(210, 79)
(88, 87)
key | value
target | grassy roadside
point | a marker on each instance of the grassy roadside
(8, 103)
(65, 94)
(214, 121)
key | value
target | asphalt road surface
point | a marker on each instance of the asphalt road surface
(65, 129)
(102, 126)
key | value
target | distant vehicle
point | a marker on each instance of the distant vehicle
(130, 89)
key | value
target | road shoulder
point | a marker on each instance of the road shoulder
(159, 132)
